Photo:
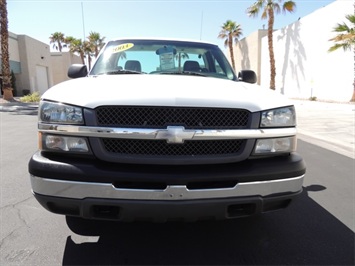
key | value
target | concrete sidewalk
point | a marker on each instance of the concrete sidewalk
(329, 125)
(17, 106)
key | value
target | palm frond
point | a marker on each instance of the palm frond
(230, 31)
(346, 37)
(289, 6)
(254, 9)
(341, 28)
(276, 7)
(222, 35)
(351, 18)
(345, 46)
(264, 14)
(343, 37)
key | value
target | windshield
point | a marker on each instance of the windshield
(162, 57)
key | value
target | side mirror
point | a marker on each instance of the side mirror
(248, 76)
(77, 71)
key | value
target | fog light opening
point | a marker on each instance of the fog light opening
(105, 212)
(241, 210)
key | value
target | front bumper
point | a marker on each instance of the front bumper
(162, 211)
(94, 189)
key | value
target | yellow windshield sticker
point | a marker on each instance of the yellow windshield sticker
(122, 47)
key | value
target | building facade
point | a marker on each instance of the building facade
(60, 63)
(36, 71)
(248, 53)
(35, 68)
(304, 67)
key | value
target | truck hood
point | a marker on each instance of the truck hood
(164, 90)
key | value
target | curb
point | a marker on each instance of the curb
(16, 102)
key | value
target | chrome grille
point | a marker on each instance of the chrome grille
(160, 117)
(162, 148)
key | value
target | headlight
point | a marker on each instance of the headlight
(281, 117)
(50, 112)
(277, 145)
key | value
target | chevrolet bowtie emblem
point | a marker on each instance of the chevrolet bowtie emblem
(175, 134)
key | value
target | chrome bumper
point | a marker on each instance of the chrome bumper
(82, 190)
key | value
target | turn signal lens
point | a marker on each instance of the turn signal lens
(278, 145)
(61, 143)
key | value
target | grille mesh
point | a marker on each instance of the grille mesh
(160, 117)
(162, 148)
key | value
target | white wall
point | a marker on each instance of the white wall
(60, 64)
(42, 79)
(247, 53)
(304, 67)
(13, 48)
(34, 55)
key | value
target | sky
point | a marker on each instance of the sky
(187, 19)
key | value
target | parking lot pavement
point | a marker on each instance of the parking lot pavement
(18, 107)
(329, 125)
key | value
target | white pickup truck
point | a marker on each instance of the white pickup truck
(164, 130)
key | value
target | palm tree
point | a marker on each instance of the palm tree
(76, 46)
(179, 56)
(230, 32)
(68, 40)
(5, 61)
(89, 51)
(96, 41)
(346, 40)
(268, 9)
(57, 39)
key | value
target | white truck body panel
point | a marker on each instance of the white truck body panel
(167, 90)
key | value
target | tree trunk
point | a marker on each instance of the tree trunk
(6, 77)
(271, 48)
(230, 42)
(89, 61)
(60, 46)
(82, 58)
(353, 97)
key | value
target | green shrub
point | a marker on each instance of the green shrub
(13, 80)
(31, 98)
(13, 83)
